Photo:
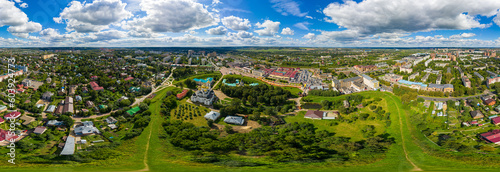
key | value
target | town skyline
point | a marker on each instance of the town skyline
(219, 23)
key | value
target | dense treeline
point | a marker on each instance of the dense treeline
(180, 73)
(268, 95)
(324, 93)
(289, 142)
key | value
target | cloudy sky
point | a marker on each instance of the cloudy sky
(323, 23)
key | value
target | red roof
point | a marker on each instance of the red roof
(95, 86)
(1, 120)
(6, 135)
(12, 115)
(492, 136)
(129, 78)
(495, 120)
(182, 95)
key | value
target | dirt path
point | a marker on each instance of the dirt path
(146, 166)
(415, 167)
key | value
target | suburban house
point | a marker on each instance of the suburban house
(237, 120)
(87, 128)
(54, 123)
(47, 96)
(95, 86)
(315, 114)
(12, 115)
(212, 115)
(111, 120)
(495, 120)
(1, 120)
(40, 130)
(6, 135)
(489, 102)
(89, 103)
(68, 105)
(51, 109)
(476, 114)
(491, 137)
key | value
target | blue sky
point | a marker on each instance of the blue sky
(322, 23)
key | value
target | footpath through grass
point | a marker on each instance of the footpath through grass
(162, 156)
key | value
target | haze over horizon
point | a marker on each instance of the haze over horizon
(221, 23)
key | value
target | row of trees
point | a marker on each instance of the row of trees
(324, 93)
(268, 95)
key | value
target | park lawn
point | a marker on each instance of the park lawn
(198, 119)
(295, 91)
(352, 130)
(318, 99)
(161, 156)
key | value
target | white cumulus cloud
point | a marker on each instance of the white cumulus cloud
(172, 16)
(309, 36)
(388, 16)
(270, 28)
(287, 31)
(236, 23)
(221, 30)
(93, 17)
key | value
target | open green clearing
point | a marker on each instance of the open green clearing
(162, 156)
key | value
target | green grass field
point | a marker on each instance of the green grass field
(352, 130)
(161, 156)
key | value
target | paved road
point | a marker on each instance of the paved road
(452, 98)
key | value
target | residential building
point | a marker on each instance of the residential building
(476, 114)
(40, 130)
(405, 69)
(438, 79)
(479, 76)
(413, 76)
(111, 120)
(370, 82)
(495, 121)
(87, 128)
(47, 96)
(491, 137)
(12, 115)
(95, 86)
(489, 102)
(212, 115)
(51, 109)
(237, 120)
(314, 114)
(8, 136)
(466, 81)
